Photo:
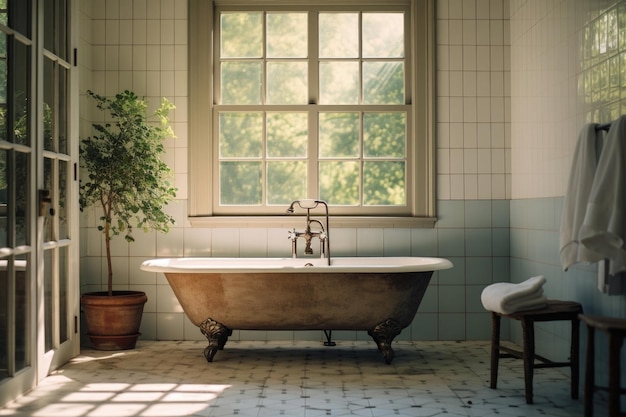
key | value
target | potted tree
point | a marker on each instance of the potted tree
(128, 183)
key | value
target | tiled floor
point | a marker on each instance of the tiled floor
(294, 379)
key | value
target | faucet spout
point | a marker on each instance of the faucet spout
(322, 234)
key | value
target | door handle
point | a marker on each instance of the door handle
(44, 201)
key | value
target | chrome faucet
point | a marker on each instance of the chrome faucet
(322, 234)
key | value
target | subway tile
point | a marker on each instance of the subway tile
(451, 214)
(170, 326)
(478, 242)
(485, 187)
(469, 32)
(396, 242)
(478, 214)
(451, 242)
(424, 242)
(166, 300)
(478, 270)
(455, 275)
(478, 326)
(451, 326)
(172, 243)
(470, 187)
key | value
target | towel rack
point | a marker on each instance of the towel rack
(604, 126)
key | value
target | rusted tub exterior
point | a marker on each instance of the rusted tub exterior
(379, 295)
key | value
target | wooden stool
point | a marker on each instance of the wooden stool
(616, 331)
(554, 311)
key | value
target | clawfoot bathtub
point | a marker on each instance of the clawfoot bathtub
(379, 295)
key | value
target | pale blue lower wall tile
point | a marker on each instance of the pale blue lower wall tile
(478, 242)
(148, 326)
(192, 332)
(472, 299)
(478, 213)
(478, 270)
(451, 299)
(451, 242)
(451, 326)
(478, 326)
(474, 235)
(170, 326)
(451, 214)
(425, 326)
(424, 242)
(455, 275)
(258, 335)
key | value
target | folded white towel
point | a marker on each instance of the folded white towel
(508, 298)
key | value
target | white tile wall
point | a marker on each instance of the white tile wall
(559, 85)
(142, 45)
(473, 101)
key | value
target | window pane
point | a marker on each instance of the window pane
(287, 83)
(241, 35)
(384, 183)
(339, 35)
(285, 179)
(241, 135)
(4, 321)
(63, 294)
(383, 83)
(48, 290)
(4, 181)
(21, 92)
(55, 27)
(287, 35)
(22, 297)
(48, 184)
(339, 135)
(62, 110)
(61, 210)
(339, 182)
(287, 135)
(3, 82)
(383, 35)
(240, 183)
(384, 135)
(48, 105)
(241, 82)
(19, 16)
(339, 82)
(22, 176)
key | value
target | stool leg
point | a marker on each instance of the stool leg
(615, 345)
(590, 371)
(495, 348)
(528, 331)
(575, 357)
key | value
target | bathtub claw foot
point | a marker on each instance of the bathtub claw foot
(383, 334)
(217, 335)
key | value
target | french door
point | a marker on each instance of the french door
(38, 223)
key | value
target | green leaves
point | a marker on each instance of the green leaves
(126, 175)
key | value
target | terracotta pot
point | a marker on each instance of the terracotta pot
(113, 322)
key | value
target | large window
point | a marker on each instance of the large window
(316, 101)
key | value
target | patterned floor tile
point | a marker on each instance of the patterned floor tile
(295, 379)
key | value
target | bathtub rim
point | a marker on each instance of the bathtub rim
(362, 264)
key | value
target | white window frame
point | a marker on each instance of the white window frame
(420, 150)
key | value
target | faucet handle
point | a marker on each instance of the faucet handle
(292, 235)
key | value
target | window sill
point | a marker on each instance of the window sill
(290, 221)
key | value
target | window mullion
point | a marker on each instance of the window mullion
(313, 62)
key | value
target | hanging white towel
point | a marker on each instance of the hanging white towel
(604, 228)
(576, 198)
(508, 298)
